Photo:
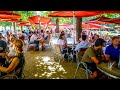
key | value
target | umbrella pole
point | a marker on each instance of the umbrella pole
(74, 27)
(39, 21)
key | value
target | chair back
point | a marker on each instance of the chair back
(80, 54)
(57, 49)
(82, 51)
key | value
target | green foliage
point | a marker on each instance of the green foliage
(25, 14)
(5, 24)
(62, 20)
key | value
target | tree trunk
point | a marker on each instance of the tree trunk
(14, 27)
(57, 25)
(21, 28)
(78, 28)
(5, 28)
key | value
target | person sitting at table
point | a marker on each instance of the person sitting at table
(95, 37)
(35, 39)
(3, 48)
(82, 44)
(93, 55)
(63, 45)
(15, 66)
(112, 51)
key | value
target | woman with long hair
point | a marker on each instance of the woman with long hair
(15, 66)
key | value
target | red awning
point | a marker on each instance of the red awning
(76, 13)
(79, 13)
(93, 26)
(98, 22)
(100, 19)
(113, 20)
(34, 20)
(10, 20)
(9, 15)
(24, 24)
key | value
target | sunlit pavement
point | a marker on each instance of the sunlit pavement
(44, 65)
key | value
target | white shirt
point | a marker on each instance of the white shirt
(60, 42)
(82, 44)
(12, 51)
(33, 38)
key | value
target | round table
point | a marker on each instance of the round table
(114, 72)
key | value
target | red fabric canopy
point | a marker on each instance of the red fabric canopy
(100, 19)
(114, 20)
(79, 13)
(24, 24)
(35, 20)
(93, 26)
(9, 15)
(10, 20)
(98, 22)
(76, 13)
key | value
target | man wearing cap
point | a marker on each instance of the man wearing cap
(92, 56)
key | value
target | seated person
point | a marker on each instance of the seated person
(63, 45)
(17, 63)
(95, 37)
(3, 48)
(82, 44)
(11, 52)
(93, 55)
(112, 51)
(36, 39)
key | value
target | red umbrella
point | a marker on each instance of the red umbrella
(10, 20)
(79, 13)
(100, 19)
(76, 13)
(98, 22)
(93, 26)
(34, 20)
(24, 24)
(113, 20)
(9, 15)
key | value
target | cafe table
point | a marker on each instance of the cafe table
(114, 72)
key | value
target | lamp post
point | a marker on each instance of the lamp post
(38, 14)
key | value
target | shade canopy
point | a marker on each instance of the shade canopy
(79, 13)
(100, 19)
(35, 20)
(9, 15)
(10, 20)
(94, 26)
(113, 20)
(24, 24)
(98, 22)
(75, 13)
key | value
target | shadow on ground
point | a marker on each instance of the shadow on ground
(44, 65)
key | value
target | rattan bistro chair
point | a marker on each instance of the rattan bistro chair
(60, 53)
(82, 65)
